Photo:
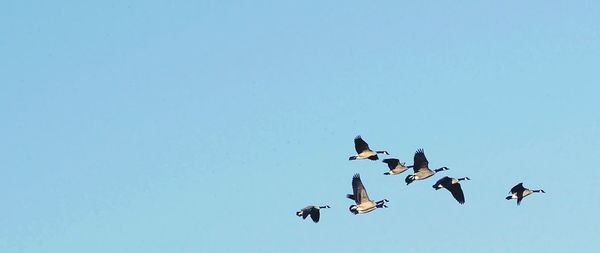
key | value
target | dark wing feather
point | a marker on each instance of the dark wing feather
(456, 191)
(392, 163)
(360, 145)
(315, 214)
(360, 193)
(420, 161)
(445, 181)
(306, 211)
(517, 188)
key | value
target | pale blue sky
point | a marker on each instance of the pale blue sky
(203, 126)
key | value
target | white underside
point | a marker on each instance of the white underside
(365, 155)
(366, 207)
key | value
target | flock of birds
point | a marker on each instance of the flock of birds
(421, 171)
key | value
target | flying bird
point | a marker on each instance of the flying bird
(519, 192)
(363, 203)
(363, 151)
(396, 167)
(453, 186)
(313, 211)
(421, 168)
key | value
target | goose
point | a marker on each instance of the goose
(519, 192)
(421, 168)
(313, 211)
(453, 186)
(363, 203)
(363, 151)
(396, 167)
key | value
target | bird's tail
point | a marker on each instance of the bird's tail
(409, 179)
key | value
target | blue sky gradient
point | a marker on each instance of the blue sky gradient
(203, 126)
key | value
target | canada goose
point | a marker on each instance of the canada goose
(453, 186)
(363, 151)
(313, 211)
(421, 168)
(396, 167)
(519, 192)
(363, 203)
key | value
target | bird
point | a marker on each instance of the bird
(396, 167)
(363, 203)
(453, 186)
(519, 192)
(421, 168)
(363, 151)
(313, 211)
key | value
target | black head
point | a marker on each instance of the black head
(352, 209)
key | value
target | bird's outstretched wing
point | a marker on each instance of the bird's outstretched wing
(519, 198)
(457, 192)
(517, 188)
(306, 212)
(315, 214)
(420, 161)
(360, 145)
(445, 181)
(392, 163)
(360, 193)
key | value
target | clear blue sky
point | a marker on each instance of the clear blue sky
(203, 126)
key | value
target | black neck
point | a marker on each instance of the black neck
(441, 169)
